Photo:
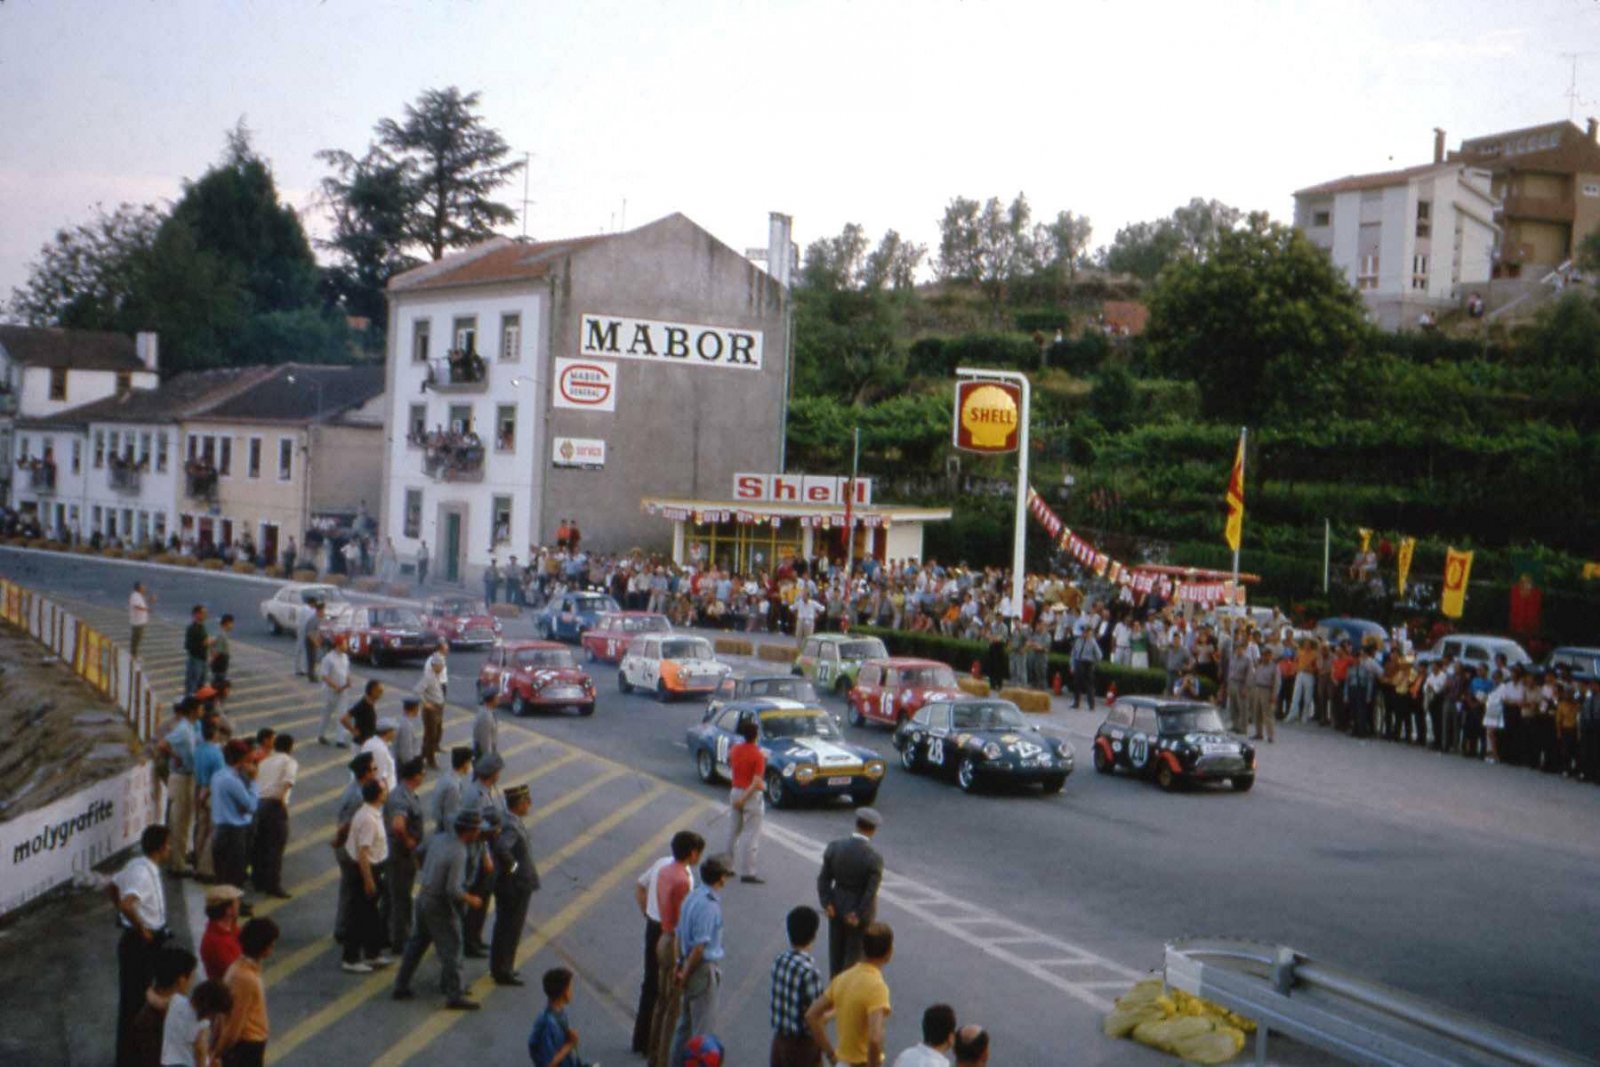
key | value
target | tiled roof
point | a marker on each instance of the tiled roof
(177, 398)
(42, 346)
(501, 259)
(278, 398)
(1380, 180)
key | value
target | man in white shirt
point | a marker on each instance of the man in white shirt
(138, 617)
(141, 903)
(805, 616)
(275, 780)
(367, 845)
(644, 895)
(938, 1035)
(382, 756)
(334, 673)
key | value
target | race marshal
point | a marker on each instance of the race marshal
(987, 416)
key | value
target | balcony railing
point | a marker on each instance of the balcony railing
(41, 474)
(125, 477)
(461, 371)
(200, 482)
(451, 457)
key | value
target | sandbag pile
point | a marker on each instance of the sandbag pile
(1176, 1022)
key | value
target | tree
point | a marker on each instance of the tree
(86, 276)
(1260, 324)
(835, 263)
(1143, 248)
(893, 264)
(454, 163)
(371, 203)
(958, 241)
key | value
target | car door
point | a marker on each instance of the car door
(865, 694)
(724, 732)
(1142, 739)
(939, 747)
(827, 665)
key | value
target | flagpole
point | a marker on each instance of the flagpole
(1327, 538)
(1241, 494)
(850, 529)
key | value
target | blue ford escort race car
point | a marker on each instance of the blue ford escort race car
(807, 757)
(566, 617)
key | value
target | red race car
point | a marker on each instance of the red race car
(608, 641)
(526, 675)
(889, 691)
(381, 634)
(462, 621)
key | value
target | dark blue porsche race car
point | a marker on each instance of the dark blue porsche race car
(807, 757)
(567, 616)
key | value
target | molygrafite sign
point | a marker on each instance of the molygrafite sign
(676, 343)
(586, 385)
(988, 416)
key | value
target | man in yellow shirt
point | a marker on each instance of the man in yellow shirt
(859, 1002)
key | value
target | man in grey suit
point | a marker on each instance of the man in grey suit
(847, 889)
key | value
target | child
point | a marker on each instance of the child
(553, 1043)
(186, 1038)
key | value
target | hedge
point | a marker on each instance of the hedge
(961, 654)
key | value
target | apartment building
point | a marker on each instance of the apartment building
(1546, 181)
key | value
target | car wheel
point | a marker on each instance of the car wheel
(1165, 778)
(842, 687)
(623, 683)
(909, 758)
(519, 706)
(1242, 783)
(864, 799)
(777, 792)
(586, 709)
(1054, 784)
(706, 766)
(663, 694)
(378, 659)
(967, 775)
(1102, 762)
(277, 630)
(854, 715)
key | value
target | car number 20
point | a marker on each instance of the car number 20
(1139, 750)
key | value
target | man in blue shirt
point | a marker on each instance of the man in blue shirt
(700, 954)
(233, 809)
(208, 764)
(179, 746)
(553, 1042)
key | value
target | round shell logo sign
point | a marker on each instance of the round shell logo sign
(586, 385)
(987, 416)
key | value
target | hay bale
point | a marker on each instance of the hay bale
(244, 567)
(338, 581)
(369, 585)
(111, 553)
(305, 574)
(776, 653)
(505, 611)
(733, 646)
(212, 564)
(397, 589)
(1034, 700)
(977, 687)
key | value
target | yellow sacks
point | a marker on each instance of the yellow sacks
(1176, 1022)
(1145, 1002)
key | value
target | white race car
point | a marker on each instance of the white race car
(282, 610)
(672, 665)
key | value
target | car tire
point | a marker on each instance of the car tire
(277, 630)
(853, 714)
(662, 693)
(777, 792)
(864, 799)
(967, 775)
(1165, 778)
(519, 706)
(909, 758)
(1242, 783)
(586, 710)
(1103, 763)
(622, 681)
(1054, 784)
(706, 766)
(842, 687)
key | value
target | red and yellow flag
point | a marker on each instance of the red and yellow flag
(1234, 531)
(1457, 569)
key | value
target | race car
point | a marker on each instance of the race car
(982, 742)
(567, 616)
(533, 675)
(672, 665)
(891, 690)
(607, 641)
(381, 633)
(750, 686)
(1174, 741)
(807, 757)
(282, 610)
(834, 660)
(462, 621)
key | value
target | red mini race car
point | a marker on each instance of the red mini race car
(462, 621)
(608, 641)
(381, 634)
(890, 690)
(526, 675)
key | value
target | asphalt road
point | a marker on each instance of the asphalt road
(1475, 886)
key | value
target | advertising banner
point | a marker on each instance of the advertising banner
(585, 385)
(987, 416)
(584, 452)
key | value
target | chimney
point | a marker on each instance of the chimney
(1438, 145)
(780, 254)
(1594, 128)
(147, 348)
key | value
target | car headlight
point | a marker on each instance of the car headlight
(394, 642)
(803, 773)
(875, 768)
(991, 751)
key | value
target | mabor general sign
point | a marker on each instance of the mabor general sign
(682, 344)
(586, 385)
(987, 416)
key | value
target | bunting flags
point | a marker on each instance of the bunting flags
(1457, 569)
(1366, 537)
(1233, 532)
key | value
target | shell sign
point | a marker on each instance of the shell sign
(987, 416)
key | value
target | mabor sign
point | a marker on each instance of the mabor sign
(586, 385)
(681, 343)
(987, 416)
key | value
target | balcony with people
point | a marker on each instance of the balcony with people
(125, 473)
(462, 370)
(200, 480)
(451, 456)
(41, 473)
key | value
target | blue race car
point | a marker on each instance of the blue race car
(567, 616)
(807, 757)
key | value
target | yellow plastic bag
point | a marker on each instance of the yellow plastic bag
(1178, 1023)
(1145, 1002)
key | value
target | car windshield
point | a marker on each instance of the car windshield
(592, 603)
(397, 618)
(457, 607)
(1578, 661)
(786, 688)
(799, 724)
(547, 658)
(648, 625)
(863, 648)
(1192, 719)
(928, 677)
(987, 716)
(686, 648)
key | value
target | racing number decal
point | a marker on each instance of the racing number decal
(722, 748)
(1028, 750)
(611, 648)
(887, 704)
(505, 679)
(936, 750)
(1139, 750)
(824, 670)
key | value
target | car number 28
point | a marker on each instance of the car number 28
(936, 750)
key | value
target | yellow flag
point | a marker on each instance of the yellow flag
(1233, 532)
(1366, 537)
(1590, 571)
(1408, 545)
(1457, 569)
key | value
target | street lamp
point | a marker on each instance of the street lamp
(315, 384)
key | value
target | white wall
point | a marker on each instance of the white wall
(83, 387)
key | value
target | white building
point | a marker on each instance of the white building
(1412, 241)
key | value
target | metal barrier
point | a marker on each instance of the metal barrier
(1342, 1013)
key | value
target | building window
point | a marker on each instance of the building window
(23, 446)
(460, 418)
(502, 521)
(1424, 220)
(1419, 271)
(285, 458)
(419, 341)
(58, 383)
(114, 450)
(413, 526)
(253, 460)
(418, 424)
(96, 518)
(465, 333)
(510, 337)
(161, 452)
(77, 455)
(1322, 218)
(158, 528)
(225, 456)
(1367, 278)
(144, 450)
(505, 427)
(99, 448)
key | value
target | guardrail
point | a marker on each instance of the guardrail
(1339, 1012)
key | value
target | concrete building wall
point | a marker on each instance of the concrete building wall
(83, 387)
(350, 473)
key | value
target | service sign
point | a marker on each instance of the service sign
(586, 385)
(585, 452)
(672, 343)
(987, 416)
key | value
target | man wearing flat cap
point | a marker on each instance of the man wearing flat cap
(482, 795)
(516, 878)
(408, 738)
(447, 798)
(402, 817)
(441, 894)
(847, 889)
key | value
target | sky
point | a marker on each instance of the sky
(877, 113)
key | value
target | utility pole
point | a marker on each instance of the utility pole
(850, 529)
(527, 161)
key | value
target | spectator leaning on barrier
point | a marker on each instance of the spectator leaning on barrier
(141, 904)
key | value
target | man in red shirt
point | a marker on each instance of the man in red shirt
(219, 946)
(746, 801)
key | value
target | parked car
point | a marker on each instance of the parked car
(1477, 650)
(1584, 662)
(282, 610)
(834, 660)
(807, 757)
(671, 665)
(566, 617)
(1356, 631)
(382, 633)
(531, 675)
(607, 641)
(1176, 742)
(979, 742)
(462, 621)
(752, 686)
(891, 690)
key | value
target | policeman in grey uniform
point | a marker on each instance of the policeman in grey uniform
(441, 895)
(363, 768)
(485, 731)
(408, 738)
(447, 798)
(516, 878)
(483, 796)
(402, 817)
